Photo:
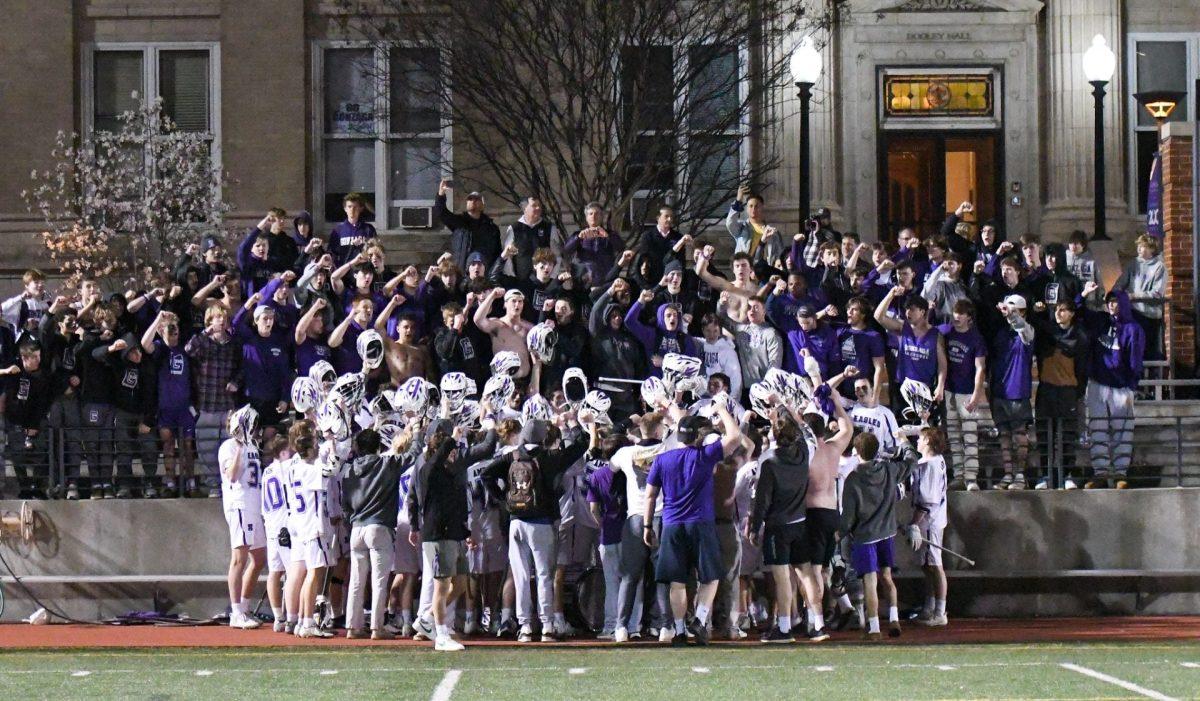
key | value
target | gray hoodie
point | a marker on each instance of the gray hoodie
(759, 347)
(869, 497)
(371, 489)
(1144, 279)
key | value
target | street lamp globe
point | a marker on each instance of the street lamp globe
(806, 63)
(1099, 61)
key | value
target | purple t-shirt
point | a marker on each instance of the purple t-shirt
(962, 348)
(918, 356)
(1012, 366)
(174, 376)
(685, 476)
(859, 348)
(612, 516)
(313, 350)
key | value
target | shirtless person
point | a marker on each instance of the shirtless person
(821, 515)
(740, 289)
(405, 358)
(509, 331)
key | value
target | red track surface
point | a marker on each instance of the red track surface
(975, 630)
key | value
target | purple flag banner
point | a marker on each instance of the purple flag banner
(1154, 218)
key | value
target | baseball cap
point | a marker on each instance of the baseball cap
(209, 243)
(534, 432)
(1015, 301)
(474, 195)
(262, 309)
(442, 425)
(805, 310)
(475, 257)
(514, 293)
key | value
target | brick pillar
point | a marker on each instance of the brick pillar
(1178, 216)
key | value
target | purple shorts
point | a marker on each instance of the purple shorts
(872, 557)
(179, 419)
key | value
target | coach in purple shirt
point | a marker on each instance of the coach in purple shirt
(689, 532)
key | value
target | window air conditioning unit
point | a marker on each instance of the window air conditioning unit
(416, 217)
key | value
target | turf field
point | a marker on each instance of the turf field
(1045, 671)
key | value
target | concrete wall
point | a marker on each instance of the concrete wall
(1149, 529)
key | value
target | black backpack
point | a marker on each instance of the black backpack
(524, 481)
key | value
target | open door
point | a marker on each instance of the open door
(926, 176)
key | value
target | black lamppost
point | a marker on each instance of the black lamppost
(1099, 64)
(806, 64)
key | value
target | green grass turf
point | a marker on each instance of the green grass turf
(641, 674)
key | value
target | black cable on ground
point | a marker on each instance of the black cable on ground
(39, 602)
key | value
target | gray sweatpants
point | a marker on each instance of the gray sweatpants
(634, 556)
(727, 587)
(1110, 423)
(532, 551)
(372, 549)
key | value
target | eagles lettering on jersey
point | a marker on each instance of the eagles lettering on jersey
(711, 359)
(276, 351)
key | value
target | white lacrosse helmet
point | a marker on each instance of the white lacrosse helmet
(306, 394)
(653, 391)
(370, 349)
(574, 385)
(498, 390)
(598, 403)
(350, 389)
(760, 399)
(678, 367)
(506, 363)
(388, 433)
(541, 341)
(412, 397)
(323, 373)
(537, 408)
(917, 396)
(468, 415)
(243, 424)
(381, 406)
(332, 419)
(454, 390)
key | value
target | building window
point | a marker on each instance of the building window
(382, 133)
(118, 76)
(706, 144)
(1157, 62)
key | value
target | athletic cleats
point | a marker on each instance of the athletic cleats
(872, 637)
(382, 634)
(241, 620)
(818, 635)
(842, 619)
(422, 631)
(699, 631)
(548, 636)
(621, 635)
(358, 634)
(894, 629)
(936, 621)
(470, 627)
(526, 635)
(279, 626)
(445, 643)
(507, 629)
(677, 641)
(777, 636)
(665, 635)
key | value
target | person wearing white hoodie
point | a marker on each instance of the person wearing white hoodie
(719, 353)
(1144, 280)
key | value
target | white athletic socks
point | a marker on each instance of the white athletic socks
(873, 624)
(784, 623)
(893, 614)
(280, 614)
(939, 607)
(443, 631)
(307, 622)
(843, 603)
(680, 628)
(293, 618)
(702, 614)
(817, 617)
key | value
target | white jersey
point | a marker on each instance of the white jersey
(274, 498)
(308, 500)
(744, 485)
(406, 480)
(846, 465)
(878, 421)
(929, 489)
(635, 477)
(242, 493)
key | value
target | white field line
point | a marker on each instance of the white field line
(577, 670)
(1128, 686)
(446, 686)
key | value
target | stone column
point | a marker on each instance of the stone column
(1179, 211)
(1069, 125)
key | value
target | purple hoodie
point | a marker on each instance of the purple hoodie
(1118, 344)
(658, 341)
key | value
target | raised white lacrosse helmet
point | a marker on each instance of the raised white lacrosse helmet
(306, 394)
(574, 386)
(413, 396)
(243, 424)
(323, 373)
(679, 368)
(370, 349)
(653, 391)
(506, 363)
(541, 341)
(498, 390)
(333, 419)
(350, 389)
(537, 408)
(454, 390)
(598, 403)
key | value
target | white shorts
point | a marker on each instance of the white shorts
(314, 553)
(245, 529)
(931, 557)
(408, 556)
(278, 556)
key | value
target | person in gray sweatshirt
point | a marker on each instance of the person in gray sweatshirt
(1145, 280)
(759, 346)
(869, 518)
(370, 501)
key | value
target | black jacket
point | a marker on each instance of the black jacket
(551, 465)
(468, 235)
(779, 498)
(437, 499)
(27, 398)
